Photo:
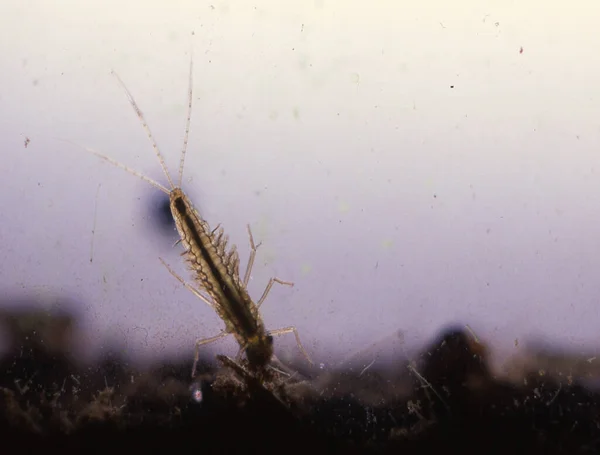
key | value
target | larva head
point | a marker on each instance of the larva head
(259, 351)
(177, 200)
(180, 208)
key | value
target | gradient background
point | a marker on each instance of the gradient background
(408, 165)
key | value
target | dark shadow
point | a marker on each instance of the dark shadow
(159, 212)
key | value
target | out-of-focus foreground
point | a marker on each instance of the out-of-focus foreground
(446, 399)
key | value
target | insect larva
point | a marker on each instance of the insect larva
(215, 267)
(231, 301)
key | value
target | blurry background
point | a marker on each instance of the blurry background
(408, 166)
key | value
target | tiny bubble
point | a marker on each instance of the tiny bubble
(196, 392)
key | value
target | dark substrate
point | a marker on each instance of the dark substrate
(448, 401)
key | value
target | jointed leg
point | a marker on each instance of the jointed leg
(272, 281)
(293, 330)
(201, 343)
(281, 367)
(253, 249)
(196, 292)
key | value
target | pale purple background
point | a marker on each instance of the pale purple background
(392, 200)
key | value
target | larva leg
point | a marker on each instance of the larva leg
(293, 330)
(202, 342)
(191, 288)
(253, 249)
(272, 281)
